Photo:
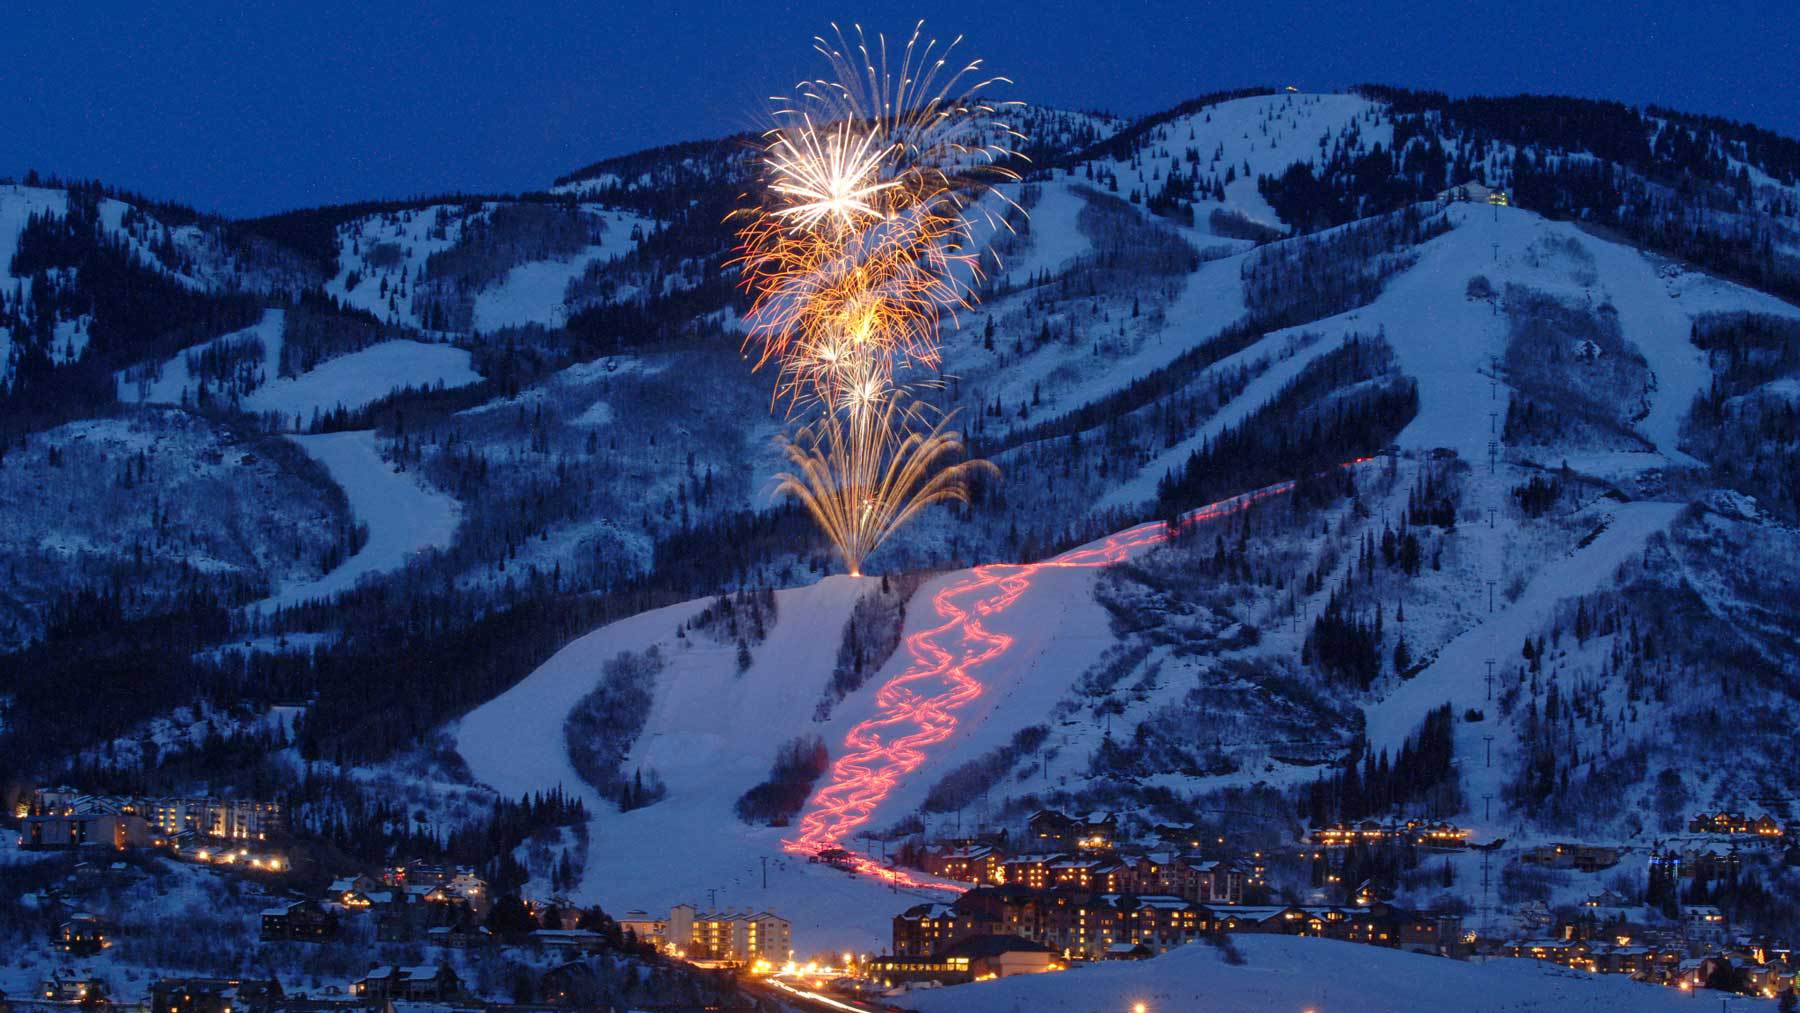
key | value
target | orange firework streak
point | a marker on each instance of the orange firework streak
(858, 245)
(914, 709)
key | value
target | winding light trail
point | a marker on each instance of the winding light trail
(914, 709)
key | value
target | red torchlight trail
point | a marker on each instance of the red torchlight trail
(914, 709)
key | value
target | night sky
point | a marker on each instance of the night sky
(247, 111)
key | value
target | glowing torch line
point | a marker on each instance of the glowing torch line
(914, 708)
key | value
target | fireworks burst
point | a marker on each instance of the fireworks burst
(863, 474)
(860, 244)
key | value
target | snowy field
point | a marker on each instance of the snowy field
(1292, 974)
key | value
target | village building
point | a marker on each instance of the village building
(1002, 956)
(571, 941)
(118, 831)
(1729, 822)
(228, 818)
(970, 958)
(67, 987)
(644, 928)
(213, 995)
(1474, 193)
(739, 937)
(425, 983)
(1094, 831)
(301, 921)
(978, 864)
(83, 935)
(1703, 923)
(924, 929)
(460, 937)
(1580, 857)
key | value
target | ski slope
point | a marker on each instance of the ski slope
(1459, 674)
(402, 514)
(711, 734)
(1257, 136)
(1290, 973)
(1056, 238)
(1447, 342)
(535, 292)
(352, 381)
(986, 652)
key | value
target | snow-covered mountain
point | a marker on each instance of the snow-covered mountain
(487, 477)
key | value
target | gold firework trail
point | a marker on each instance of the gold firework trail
(863, 475)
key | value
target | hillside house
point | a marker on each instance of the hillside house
(644, 928)
(1473, 192)
(301, 921)
(1703, 923)
(213, 995)
(1094, 831)
(1580, 857)
(571, 941)
(424, 983)
(460, 937)
(980, 864)
(65, 987)
(83, 935)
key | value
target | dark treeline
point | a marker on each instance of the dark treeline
(601, 727)
(1422, 772)
(799, 763)
(1310, 278)
(1302, 431)
(871, 636)
(377, 832)
(1751, 435)
(964, 784)
(121, 669)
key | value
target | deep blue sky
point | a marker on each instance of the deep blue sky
(251, 108)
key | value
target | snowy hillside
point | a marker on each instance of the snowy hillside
(482, 267)
(172, 499)
(399, 515)
(174, 382)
